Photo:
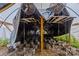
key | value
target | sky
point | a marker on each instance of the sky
(4, 14)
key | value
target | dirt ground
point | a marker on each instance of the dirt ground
(3, 51)
(58, 49)
(46, 52)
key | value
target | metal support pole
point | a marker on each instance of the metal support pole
(42, 32)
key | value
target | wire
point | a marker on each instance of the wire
(8, 16)
(73, 11)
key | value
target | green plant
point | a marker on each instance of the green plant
(69, 39)
(3, 42)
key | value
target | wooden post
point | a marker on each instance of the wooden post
(42, 32)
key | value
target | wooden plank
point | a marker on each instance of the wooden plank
(59, 19)
(53, 19)
(67, 19)
(25, 20)
(42, 33)
(29, 19)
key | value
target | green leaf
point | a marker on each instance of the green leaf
(69, 39)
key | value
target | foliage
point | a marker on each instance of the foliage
(69, 39)
(3, 42)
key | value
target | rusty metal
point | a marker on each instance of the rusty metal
(42, 32)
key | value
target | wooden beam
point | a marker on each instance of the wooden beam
(53, 19)
(42, 32)
(59, 19)
(29, 20)
(24, 19)
(65, 20)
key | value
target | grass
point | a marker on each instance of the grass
(72, 40)
(3, 42)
